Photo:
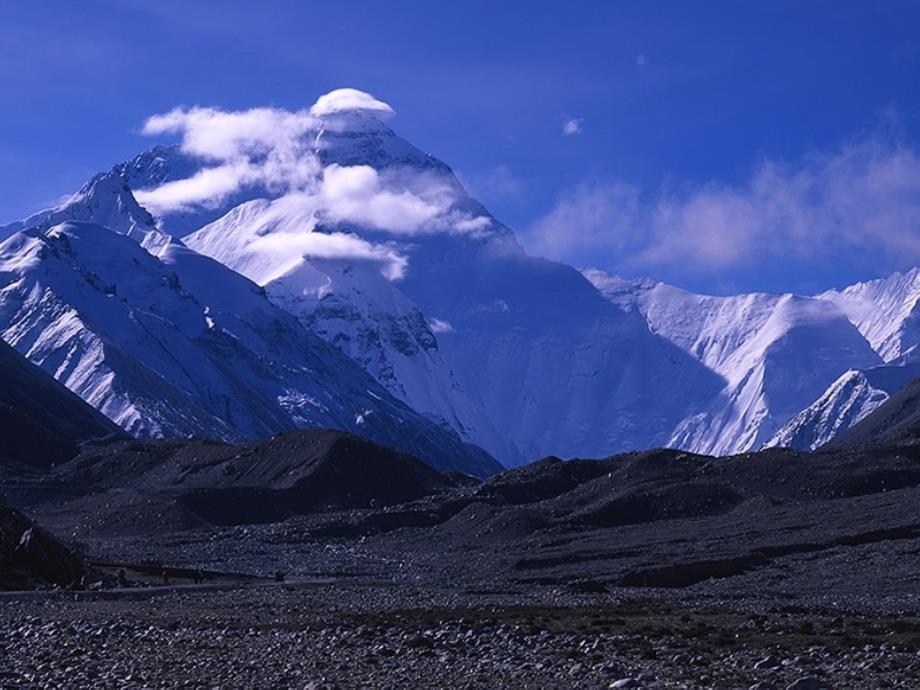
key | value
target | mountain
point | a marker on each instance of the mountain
(355, 308)
(775, 354)
(518, 354)
(41, 422)
(325, 243)
(896, 421)
(886, 311)
(846, 402)
(155, 485)
(105, 200)
(179, 345)
(887, 314)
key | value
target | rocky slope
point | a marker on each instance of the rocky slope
(168, 485)
(896, 421)
(661, 519)
(31, 557)
(41, 422)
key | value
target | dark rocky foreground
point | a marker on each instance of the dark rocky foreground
(30, 557)
(404, 636)
(661, 569)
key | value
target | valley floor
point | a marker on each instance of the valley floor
(654, 570)
(375, 635)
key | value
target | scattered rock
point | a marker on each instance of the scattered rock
(807, 683)
(767, 663)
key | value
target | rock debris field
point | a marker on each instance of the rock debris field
(395, 636)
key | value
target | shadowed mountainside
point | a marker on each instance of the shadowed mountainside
(796, 521)
(41, 422)
(896, 420)
(30, 556)
(161, 485)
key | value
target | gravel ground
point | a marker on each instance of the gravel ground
(367, 635)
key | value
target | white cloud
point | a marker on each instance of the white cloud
(334, 245)
(439, 326)
(207, 188)
(345, 100)
(571, 126)
(592, 217)
(271, 239)
(262, 146)
(274, 149)
(355, 194)
(470, 225)
(221, 135)
(862, 201)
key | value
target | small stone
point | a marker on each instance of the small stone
(767, 663)
(807, 683)
(625, 683)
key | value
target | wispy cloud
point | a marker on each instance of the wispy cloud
(276, 149)
(356, 194)
(496, 184)
(863, 199)
(331, 246)
(571, 126)
(595, 216)
(439, 326)
(267, 147)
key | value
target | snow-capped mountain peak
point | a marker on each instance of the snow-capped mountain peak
(775, 353)
(180, 344)
(106, 199)
(319, 242)
(846, 401)
(885, 310)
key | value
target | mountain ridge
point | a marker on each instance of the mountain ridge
(363, 245)
(121, 328)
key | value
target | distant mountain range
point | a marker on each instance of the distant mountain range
(379, 298)
(796, 370)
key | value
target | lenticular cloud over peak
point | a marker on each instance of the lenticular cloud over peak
(221, 135)
(350, 101)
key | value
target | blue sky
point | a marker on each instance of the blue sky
(720, 146)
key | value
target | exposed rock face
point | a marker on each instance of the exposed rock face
(29, 556)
